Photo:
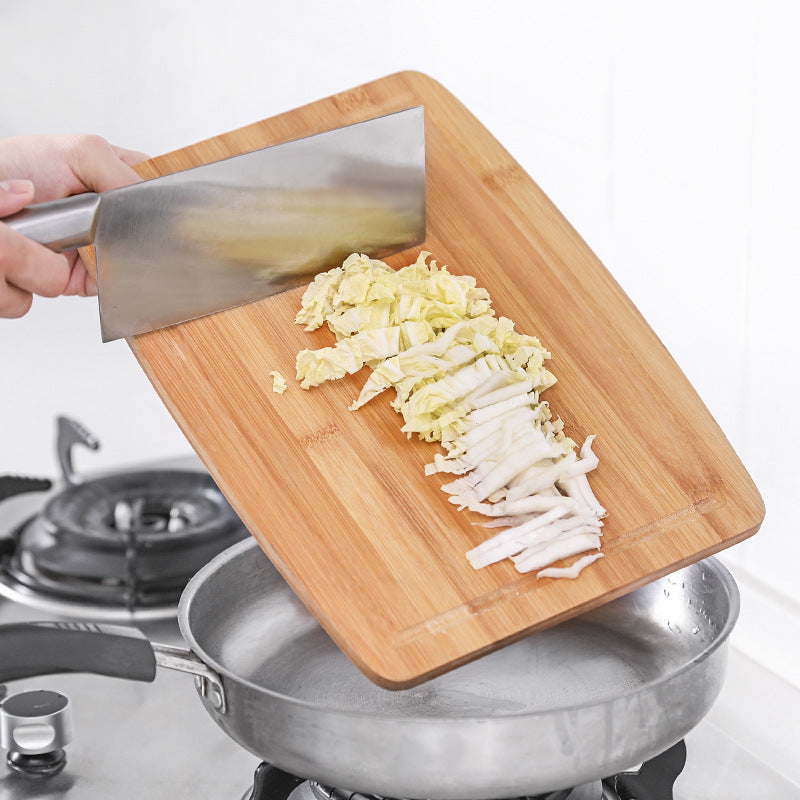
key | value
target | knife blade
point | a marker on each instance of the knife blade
(223, 234)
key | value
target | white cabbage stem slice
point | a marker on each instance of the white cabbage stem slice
(572, 571)
(489, 548)
(556, 550)
(526, 505)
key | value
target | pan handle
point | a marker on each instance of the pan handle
(208, 683)
(28, 649)
(11, 485)
(44, 648)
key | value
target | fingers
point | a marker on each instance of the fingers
(27, 268)
(80, 282)
(14, 196)
(14, 302)
(100, 166)
(61, 166)
(129, 157)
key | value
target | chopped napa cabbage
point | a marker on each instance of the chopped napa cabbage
(279, 384)
(467, 379)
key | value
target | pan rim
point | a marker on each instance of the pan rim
(727, 582)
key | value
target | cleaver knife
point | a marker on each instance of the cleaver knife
(223, 234)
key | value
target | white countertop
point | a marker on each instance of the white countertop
(748, 743)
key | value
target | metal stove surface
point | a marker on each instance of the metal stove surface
(139, 740)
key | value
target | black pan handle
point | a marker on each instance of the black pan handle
(11, 485)
(45, 648)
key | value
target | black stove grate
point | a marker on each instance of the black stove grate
(127, 541)
(654, 780)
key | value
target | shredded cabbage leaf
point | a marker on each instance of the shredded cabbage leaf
(467, 379)
(279, 384)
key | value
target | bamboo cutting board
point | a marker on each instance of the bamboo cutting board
(339, 500)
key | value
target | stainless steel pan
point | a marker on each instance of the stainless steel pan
(588, 698)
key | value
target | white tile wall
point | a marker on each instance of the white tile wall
(666, 132)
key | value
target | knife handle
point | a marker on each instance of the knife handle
(60, 224)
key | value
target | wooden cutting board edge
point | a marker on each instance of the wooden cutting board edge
(507, 178)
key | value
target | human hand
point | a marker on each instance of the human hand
(41, 168)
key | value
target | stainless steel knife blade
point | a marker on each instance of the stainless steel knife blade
(223, 234)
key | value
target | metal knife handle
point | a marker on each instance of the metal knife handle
(46, 648)
(60, 224)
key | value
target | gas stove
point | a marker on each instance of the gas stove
(125, 542)
(119, 548)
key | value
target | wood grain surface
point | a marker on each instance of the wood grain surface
(338, 500)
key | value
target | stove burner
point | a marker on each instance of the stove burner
(127, 541)
(271, 783)
(324, 793)
(652, 781)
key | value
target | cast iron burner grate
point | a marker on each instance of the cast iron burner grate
(130, 540)
(653, 780)
(126, 542)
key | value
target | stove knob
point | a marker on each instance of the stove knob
(34, 728)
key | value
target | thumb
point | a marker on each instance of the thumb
(14, 196)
